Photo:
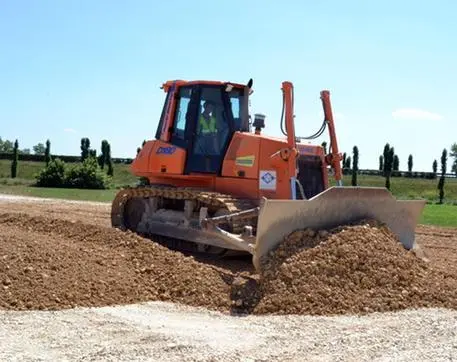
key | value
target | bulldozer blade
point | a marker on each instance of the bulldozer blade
(334, 207)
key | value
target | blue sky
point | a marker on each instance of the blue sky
(72, 69)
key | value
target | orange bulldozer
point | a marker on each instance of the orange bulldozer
(214, 183)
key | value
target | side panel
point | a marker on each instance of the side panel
(238, 186)
(159, 157)
(242, 157)
(273, 175)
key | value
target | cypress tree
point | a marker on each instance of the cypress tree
(15, 160)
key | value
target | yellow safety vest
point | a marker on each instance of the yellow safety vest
(207, 127)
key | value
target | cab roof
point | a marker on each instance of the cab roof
(180, 83)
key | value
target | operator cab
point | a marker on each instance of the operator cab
(204, 117)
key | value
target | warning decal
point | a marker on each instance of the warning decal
(267, 180)
(247, 161)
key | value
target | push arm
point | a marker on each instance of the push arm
(334, 158)
(287, 89)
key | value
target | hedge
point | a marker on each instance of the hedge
(65, 158)
(74, 159)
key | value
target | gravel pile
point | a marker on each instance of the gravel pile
(48, 263)
(354, 269)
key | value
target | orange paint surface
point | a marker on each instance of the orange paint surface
(242, 157)
(255, 166)
(159, 157)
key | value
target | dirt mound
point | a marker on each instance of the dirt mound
(53, 264)
(48, 263)
(355, 269)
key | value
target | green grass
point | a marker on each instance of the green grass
(409, 188)
(27, 170)
(402, 188)
(440, 215)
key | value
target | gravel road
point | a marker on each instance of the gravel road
(168, 332)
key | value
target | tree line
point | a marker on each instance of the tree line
(104, 159)
(7, 146)
(55, 170)
(389, 165)
(88, 174)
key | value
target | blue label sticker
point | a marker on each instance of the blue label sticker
(166, 150)
(268, 178)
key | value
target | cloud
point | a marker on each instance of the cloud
(415, 114)
(69, 130)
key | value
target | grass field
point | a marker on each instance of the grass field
(410, 188)
(440, 215)
(27, 169)
(402, 188)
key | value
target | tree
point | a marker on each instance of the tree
(443, 173)
(348, 162)
(47, 152)
(435, 168)
(355, 165)
(15, 159)
(391, 161)
(39, 149)
(109, 162)
(410, 164)
(138, 150)
(381, 163)
(6, 146)
(324, 146)
(385, 155)
(85, 148)
(443, 162)
(388, 163)
(102, 159)
(144, 142)
(453, 154)
(396, 163)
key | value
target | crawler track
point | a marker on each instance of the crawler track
(128, 211)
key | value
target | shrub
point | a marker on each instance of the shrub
(86, 175)
(53, 175)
